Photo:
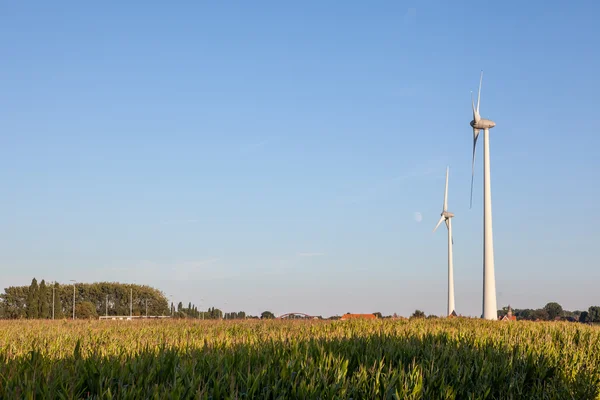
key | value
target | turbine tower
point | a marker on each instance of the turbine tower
(490, 311)
(447, 217)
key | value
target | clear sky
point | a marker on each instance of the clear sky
(275, 155)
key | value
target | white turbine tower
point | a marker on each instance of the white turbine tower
(447, 217)
(489, 281)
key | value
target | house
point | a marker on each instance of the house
(357, 316)
(509, 316)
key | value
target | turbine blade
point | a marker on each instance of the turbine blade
(479, 93)
(446, 192)
(476, 116)
(439, 223)
(475, 135)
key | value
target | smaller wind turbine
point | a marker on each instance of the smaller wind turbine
(447, 217)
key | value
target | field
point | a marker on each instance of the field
(418, 359)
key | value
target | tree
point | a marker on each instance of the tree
(540, 314)
(85, 310)
(554, 310)
(418, 314)
(267, 315)
(58, 310)
(14, 302)
(378, 314)
(583, 317)
(44, 305)
(33, 300)
(594, 314)
(180, 307)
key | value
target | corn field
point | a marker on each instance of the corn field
(382, 359)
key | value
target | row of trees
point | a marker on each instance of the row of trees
(91, 299)
(191, 311)
(55, 300)
(554, 312)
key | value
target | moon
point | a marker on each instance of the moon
(418, 217)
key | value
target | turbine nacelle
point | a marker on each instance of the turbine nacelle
(483, 124)
(447, 215)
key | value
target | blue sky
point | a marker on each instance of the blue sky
(273, 156)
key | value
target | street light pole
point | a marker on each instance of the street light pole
(53, 301)
(73, 298)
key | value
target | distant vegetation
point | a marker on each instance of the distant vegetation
(112, 298)
(91, 300)
(554, 312)
(361, 359)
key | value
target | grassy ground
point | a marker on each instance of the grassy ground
(419, 359)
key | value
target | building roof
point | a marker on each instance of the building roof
(358, 316)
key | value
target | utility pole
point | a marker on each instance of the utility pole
(73, 298)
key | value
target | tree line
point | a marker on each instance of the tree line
(45, 301)
(55, 300)
(191, 311)
(554, 312)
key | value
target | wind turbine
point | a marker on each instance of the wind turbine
(489, 281)
(447, 217)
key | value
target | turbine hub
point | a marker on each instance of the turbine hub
(447, 214)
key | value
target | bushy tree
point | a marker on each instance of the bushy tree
(85, 310)
(594, 314)
(267, 315)
(418, 314)
(14, 302)
(554, 310)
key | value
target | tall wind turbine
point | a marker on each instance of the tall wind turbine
(489, 281)
(447, 217)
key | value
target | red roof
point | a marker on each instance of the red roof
(358, 316)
